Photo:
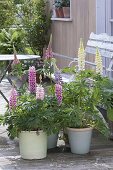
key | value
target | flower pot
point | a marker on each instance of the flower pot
(66, 11)
(60, 12)
(33, 145)
(57, 13)
(80, 140)
(52, 141)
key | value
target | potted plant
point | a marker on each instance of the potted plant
(81, 115)
(58, 8)
(54, 124)
(66, 8)
(26, 119)
(54, 110)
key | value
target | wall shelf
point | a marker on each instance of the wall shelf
(62, 19)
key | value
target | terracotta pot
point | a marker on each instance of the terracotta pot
(60, 11)
(66, 11)
(57, 13)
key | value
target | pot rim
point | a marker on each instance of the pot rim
(80, 129)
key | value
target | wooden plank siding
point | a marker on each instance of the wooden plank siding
(66, 35)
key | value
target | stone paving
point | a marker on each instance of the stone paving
(99, 158)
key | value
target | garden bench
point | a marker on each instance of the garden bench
(104, 43)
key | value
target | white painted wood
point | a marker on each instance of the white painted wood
(101, 45)
(103, 52)
(108, 17)
(100, 16)
(101, 37)
(62, 19)
(5, 57)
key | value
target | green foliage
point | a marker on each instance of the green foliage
(69, 70)
(33, 20)
(36, 22)
(7, 13)
(11, 37)
(66, 3)
(29, 115)
(48, 67)
(80, 99)
(58, 3)
(54, 113)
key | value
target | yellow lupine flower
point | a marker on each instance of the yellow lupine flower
(81, 56)
(98, 62)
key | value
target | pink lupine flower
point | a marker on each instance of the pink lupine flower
(13, 99)
(40, 94)
(32, 79)
(58, 93)
(49, 53)
(16, 60)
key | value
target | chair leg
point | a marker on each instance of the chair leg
(4, 96)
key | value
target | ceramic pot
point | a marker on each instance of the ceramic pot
(33, 145)
(79, 140)
(52, 141)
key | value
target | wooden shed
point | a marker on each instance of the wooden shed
(86, 16)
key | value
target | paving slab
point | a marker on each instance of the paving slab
(59, 158)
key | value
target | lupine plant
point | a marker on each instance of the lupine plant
(27, 111)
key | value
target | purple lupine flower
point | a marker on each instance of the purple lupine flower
(58, 93)
(58, 77)
(13, 99)
(40, 94)
(32, 79)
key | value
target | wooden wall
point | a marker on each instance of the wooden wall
(67, 34)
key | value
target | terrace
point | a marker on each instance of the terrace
(85, 16)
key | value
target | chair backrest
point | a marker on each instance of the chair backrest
(105, 44)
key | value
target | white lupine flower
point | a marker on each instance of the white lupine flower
(98, 62)
(40, 93)
(81, 56)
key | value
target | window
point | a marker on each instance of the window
(61, 10)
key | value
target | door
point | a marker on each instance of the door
(104, 16)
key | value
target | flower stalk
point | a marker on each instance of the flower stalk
(98, 62)
(81, 57)
(13, 99)
(40, 93)
(58, 93)
(32, 79)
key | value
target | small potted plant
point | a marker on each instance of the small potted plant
(81, 115)
(26, 119)
(53, 102)
(58, 8)
(66, 8)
